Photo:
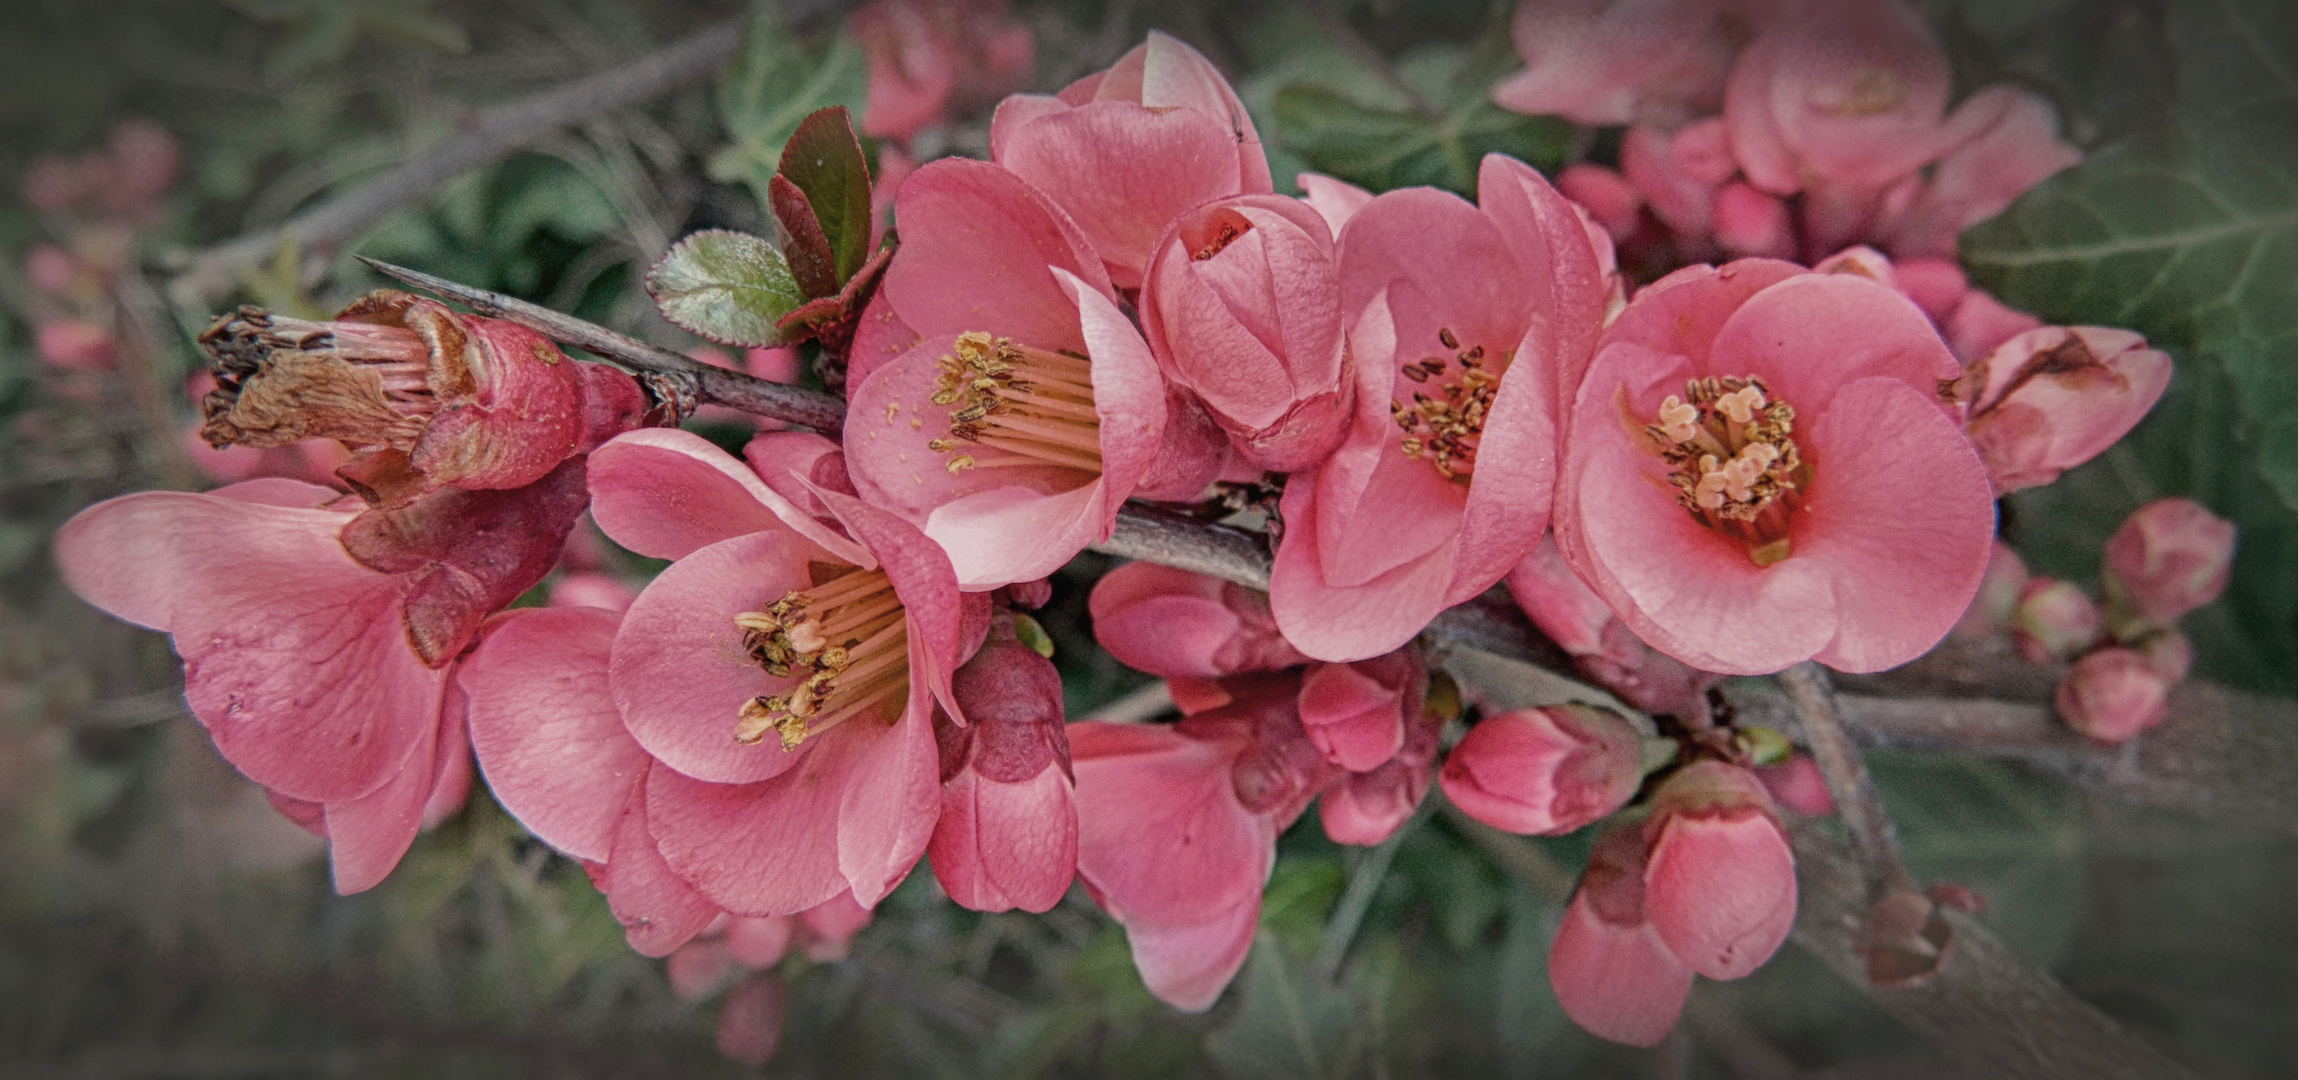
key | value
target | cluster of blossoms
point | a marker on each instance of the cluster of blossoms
(1729, 470)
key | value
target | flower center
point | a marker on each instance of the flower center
(1444, 428)
(281, 380)
(845, 641)
(1732, 461)
(1035, 405)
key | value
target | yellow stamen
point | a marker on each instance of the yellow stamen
(1033, 404)
(1733, 462)
(845, 642)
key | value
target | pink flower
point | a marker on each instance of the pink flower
(1797, 785)
(1808, 495)
(1365, 808)
(1544, 771)
(1357, 714)
(1611, 972)
(1007, 837)
(927, 56)
(1602, 647)
(1606, 62)
(1031, 409)
(1992, 611)
(2055, 621)
(2170, 557)
(2053, 398)
(318, 639)
(1846, 96)
(1466, 322)
(437, 398)
(1334, 200)
(1242, 308)
(1178, 624)
(2113, 694)
(1606, 195)
(1127, 150)
(1177, 829)
(787, 620)
(75, 345)
(2013, 144)
(750, 1020)
(1720, 884)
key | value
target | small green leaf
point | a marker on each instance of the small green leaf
(824, 159)
(727, 286)
(1383, 147)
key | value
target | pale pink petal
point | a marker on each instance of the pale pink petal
(664, 493)
(1813, 333)
(1175, 76)
(451, 782)
(892, 797)
(1351, 622)
(548, 736)
(366, 836)
(760, 943)
(977, 247)
(1001, 846)
(1160, 834)
(767, 848)
(1335, 200)
(1617, 982)
(880, 335)
(1122, 171)
(680, 673)
(658, 910)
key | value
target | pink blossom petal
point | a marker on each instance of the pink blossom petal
(1175, 76)
(1187, 967)
(880, 335)
(1335, 200)
(1349, 622)
(543, 720)
(1122, 171)
(1618, 982)
(1000, 846)
(1160, 834)
(1902, 576)
(664, 493)
(977, 246)
(1812, 333)
(1355, 720)
(680, 673)
(658, 910)
(366, 836)
(760, 943)
(892, 797)
(766, 848)
(295, 655)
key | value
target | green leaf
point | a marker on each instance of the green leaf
(825, 160)
(727, 286)
(778, 80)
(1380, 140)
(2188, 233)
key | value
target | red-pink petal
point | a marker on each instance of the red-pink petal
(1617, 982)
(1187, 967)
(1000, 846)
(664, 493)
(1122, 171)
(892, 797)
(1160, 834)
(977, 247)
(658, 910)
(767, 848)
(366, 836)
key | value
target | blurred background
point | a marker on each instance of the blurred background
(159, 919)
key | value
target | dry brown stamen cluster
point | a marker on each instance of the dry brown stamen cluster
(846, 641)
(281, 380)
(1732, 459)
(1034, 404)
(1444, 428)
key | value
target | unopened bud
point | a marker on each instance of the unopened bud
(2168, 558)
(1993, 608)
(2112, 695)
(1720, 884)
(1544, 771)
(2055, 621)
(1797, 785)
(1356, 714)
(1611, 972)
(2054, 398)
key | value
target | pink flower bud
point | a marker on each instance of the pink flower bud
(750, 1020)
(1007, 835)
(1720, 884)
(1605, 650)
(1979, 324)
(1672, 181)
(760, 942)
(1936, 285)
(698, 968)
(2170, 557)
(2168, 653)
(51, 269)
(1998, 600)
(828, 928)
(1611, 972)
(1242, 307)
(76, 345)
(1544, 771)
(2112, 695)
(52, 184)
(1797, 785)
(1606, 195)
(2054, 398)
(1751, 223)
(2055, 621)
(1356, 714)
(1179, 624)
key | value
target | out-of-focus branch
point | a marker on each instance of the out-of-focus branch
(1986, 1009)
(1872, 838)
(490, 135)
(2223, 754)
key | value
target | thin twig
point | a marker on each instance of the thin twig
(721, 386)
(1872, 837)
(490, 135)
(1364, 881)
